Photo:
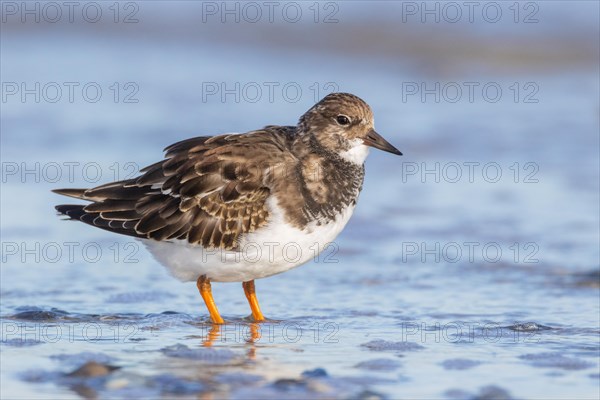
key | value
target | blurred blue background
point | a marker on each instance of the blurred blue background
(495, 106)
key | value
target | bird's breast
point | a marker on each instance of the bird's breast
(289, 245)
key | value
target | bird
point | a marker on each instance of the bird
(243, 206)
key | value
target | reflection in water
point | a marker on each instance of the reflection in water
(250, 333)
(212, 335)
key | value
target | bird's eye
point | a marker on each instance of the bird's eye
(342, 120)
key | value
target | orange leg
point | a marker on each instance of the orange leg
(252, 300)
(203, 284)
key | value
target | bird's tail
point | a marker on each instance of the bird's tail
(75, 193)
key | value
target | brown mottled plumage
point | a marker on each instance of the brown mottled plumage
(211, 190)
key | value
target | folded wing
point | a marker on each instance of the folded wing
(208, 191)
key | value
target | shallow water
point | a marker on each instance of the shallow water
(441, 286)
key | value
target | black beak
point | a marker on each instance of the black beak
(374, 139)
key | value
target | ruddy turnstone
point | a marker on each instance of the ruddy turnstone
(239, 207)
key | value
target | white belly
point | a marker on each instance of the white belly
(271, 250)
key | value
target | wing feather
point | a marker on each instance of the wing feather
(208, 190)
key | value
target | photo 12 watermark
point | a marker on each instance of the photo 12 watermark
(454, 12)
(453, 252)
(70, 92)
(271, 252)
(52, 12)
(266, 91)
(272, 332)
(474, 172)
(254, 12)
(470, 332)
(20, 333)
(470, 92)
(72, 252)
(90, 172)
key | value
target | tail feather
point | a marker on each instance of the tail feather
(73, 211)
(76, 193)
(114, 190)
(113, 206)
(78, 213)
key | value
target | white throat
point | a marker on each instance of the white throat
(357, 154)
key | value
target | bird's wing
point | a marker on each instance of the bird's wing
(208, 191)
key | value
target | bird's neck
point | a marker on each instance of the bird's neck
(329, 181)
(307, 144)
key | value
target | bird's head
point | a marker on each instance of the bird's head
(343, 123)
